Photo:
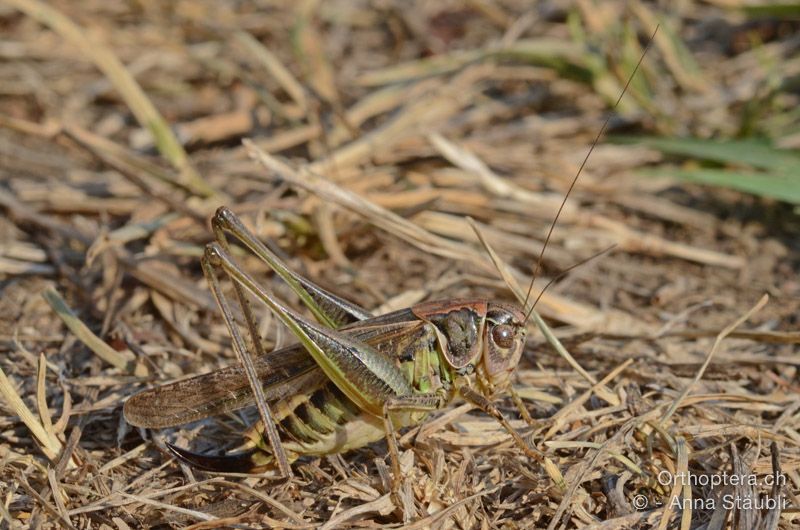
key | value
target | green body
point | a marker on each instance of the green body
(314, 415)
(352, 379)
(323, 420)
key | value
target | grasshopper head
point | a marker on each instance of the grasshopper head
(504, 341)
(487, 337)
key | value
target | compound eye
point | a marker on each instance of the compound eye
(503, 336)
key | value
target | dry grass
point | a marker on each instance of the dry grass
(378, 130)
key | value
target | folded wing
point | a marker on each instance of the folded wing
(284, 372)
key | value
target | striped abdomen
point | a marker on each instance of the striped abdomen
(322, 420)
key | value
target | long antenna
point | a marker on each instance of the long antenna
(577, 175)
(563, 273)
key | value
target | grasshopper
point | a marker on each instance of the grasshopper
(352, 379)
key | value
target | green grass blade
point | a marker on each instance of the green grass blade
(786, 10)
(784, 187)
(753, 152)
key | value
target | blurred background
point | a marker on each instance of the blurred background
(121, 129)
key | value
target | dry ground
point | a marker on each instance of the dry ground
(397, 121)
